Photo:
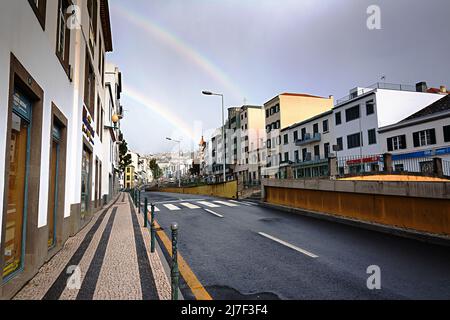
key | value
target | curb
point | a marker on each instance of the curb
(399, 232)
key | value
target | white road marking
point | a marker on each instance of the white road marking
(228, 204)
(171, 207)
(156, 209)
(309, 254)
(208, 204)
(248, 203)
(177, 201)
(214, 213)
(189, 205)
(241, 202)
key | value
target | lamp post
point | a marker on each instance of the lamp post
(208, 93)
(179, 159)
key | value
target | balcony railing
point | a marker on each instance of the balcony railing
(316, 137)
(378, 85)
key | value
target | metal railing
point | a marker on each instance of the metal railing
(446, 168)
(378, 85)
(372, 164)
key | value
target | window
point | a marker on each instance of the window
(295, 136)
(92, 10)
(372, 136)
(296, 156)
(326, 150)
(317, 152)
(63, 35)
(303, 133)
(325, 126)
(447, 134)
(286, 156)
(316, 128)
(352, 113)
(305, 154)
(101, 61)
(269, 144)
(424, 138)
(286, 139)
(338, 118)
(89, 85)
(340, 144)
(370, 107)
(39, 8)
(354, 141)
(267, 113)
(396, 143)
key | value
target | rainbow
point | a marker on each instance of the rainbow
(181, 47)
(162, 111)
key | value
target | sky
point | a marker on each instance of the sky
(169, 51)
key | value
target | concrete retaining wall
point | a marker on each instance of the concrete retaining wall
(222, 190)
(418, 206)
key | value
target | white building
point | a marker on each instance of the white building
(419, 138)
(358, 117)
(52, 98)
(306, 146)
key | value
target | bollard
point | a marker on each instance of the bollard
(145, 212)
(139, 202)
(152, 228)
(174, 274)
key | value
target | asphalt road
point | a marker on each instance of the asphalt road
(244, 251)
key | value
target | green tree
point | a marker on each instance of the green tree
(124, 157)
(156, 170)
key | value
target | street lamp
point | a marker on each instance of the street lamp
(179, 159)
(208, 93)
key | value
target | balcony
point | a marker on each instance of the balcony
(316, 137)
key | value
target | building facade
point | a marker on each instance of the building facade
(358, 117)
(52, 98)
(415, 141)
(283, 111)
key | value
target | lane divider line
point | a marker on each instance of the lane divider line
(214, 213)
(309, 254)
(186, 272)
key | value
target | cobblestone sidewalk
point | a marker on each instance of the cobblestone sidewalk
(109, 259)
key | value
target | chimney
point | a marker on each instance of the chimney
(443, 89)
(421, 87)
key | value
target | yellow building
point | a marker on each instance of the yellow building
(283, 111)
(129, 177)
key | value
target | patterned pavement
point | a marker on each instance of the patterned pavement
(109, 259)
